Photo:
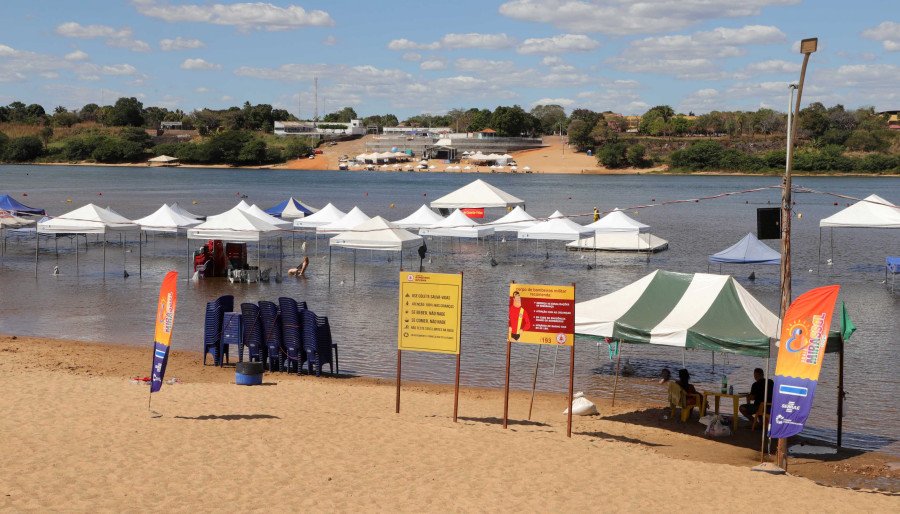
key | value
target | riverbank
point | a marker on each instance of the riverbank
(83, 439)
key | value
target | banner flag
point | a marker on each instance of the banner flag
(804, 333)
(165, 317)
(847, 326)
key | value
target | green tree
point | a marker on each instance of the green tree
(126, 112)
(136, 135)
(613, 155)
(602, 134)
(510, 121)
(636, 156)
(813, 120)
(551, 117)
(580, 135)
(342, 116)
(89, 112)
(24, 149)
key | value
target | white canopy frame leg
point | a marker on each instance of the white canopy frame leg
(329, 266)
(104, 255)
(78, 271)
(124, 239)
(141, 236)
(187, 244)
(37, 246)
(819, 259)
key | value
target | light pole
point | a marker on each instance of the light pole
(807, 48)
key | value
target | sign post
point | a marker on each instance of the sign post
(430, 320)
(541, 314)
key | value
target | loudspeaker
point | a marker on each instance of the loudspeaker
(768, 223)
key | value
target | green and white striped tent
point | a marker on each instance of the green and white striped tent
(699, 310)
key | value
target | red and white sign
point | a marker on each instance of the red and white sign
(473, 212)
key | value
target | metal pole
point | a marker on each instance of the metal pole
(571, 386)
(37, 245)
(506, 387)
(141, 255)
(537, 362)
(781, 455)
(616, 380)
(765, 429)
(397, 410)
(104, 255)
(329, 267)
(840, 398)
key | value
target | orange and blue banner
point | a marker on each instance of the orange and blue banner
(804, 333)
(165, 319)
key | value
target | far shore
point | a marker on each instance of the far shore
(482, 170)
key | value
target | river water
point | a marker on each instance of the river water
(93, 307)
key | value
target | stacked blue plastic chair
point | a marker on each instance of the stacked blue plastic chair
(232, 334)
(252, 338)
(271, 324)
(323, 329)
(290, 333)
(316, 342)
(212, 331)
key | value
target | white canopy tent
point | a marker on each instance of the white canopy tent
(423, 217)
(617, 221)
(180, 210)
(374, 234)
(477, 194)
(324, 216)
(163, 160)
(163, 220)
(870, 212)
(514, 221)
(255, 210)
(556, 228)
(8, 221)
(620, 242)
(90, 219)
(347, 222)
(235, 225)
(457, 224)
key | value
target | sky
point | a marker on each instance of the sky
(410, 57)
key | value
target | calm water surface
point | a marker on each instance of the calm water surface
(363, 313)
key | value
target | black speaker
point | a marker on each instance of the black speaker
(768, 223)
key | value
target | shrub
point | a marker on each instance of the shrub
(703, 155)
(613, 155)
(636, 156)
(112, 150)
(24, 149)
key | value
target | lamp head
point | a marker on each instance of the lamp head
(809, 45)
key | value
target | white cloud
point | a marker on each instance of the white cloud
(456, 41)
(118, 69)
(435, 64)
(564, 102)
(703, 100)
(551, 60)
(773, 66)
(244, 16)
(180, 43)
(77, 55)
(119, 38)
(329, 41)
(201, 89)
(18, 65)
(562, 43)
(693, 56)
(226, 98)
(484, 65)
(887, 32)
(361, 75)
(626, 17)
(199, 64)
(412, 56)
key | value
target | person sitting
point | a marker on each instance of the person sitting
(684, 380)
(665, 376)
(300, 271)
(757, 393)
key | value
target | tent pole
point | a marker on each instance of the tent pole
(104, 255)
(77, 272)
(840, 398)
(354, 267)
(819, 260)
(37, 245)
(187, 244)
(762, 449)
(714, 362)
(682, 357)
(616, 381)
(401, 258)
(55, 247)
(832, 245)
(124, 240)
(329, 266)
(141, 254)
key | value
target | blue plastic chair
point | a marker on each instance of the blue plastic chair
(252, 337)
(316, 341)
(271, 325)
(290, 334)
(231, 335)
(212, 332)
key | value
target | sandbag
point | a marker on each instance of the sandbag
(717, 429)
(581, 406)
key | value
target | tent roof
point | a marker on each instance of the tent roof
(166, 219)
(476, 194)
(699, 310)
(187, 214)
(290, 209)
(254, 210)
(423, 217)
(163, 158)
(617, 221)
(457, 224)
(376, 234)
(557, 227)
(8, 203)
(346, 222)
(7, 220)
(233, 225)
(865, 214)
(748, 250)
(620, 242)
(514, 221)
(90, 219)
(324, 216)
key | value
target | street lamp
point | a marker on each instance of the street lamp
(807, 47)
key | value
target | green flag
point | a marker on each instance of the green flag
(847, 326)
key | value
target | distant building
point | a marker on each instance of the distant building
(170, 125)
(893, 119)
(441, 143)
(416, 131)
(319, 129)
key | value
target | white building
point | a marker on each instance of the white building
(319, 129)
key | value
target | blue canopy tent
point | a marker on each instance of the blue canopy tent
(748, 250)
(290, 209)
(14, 207)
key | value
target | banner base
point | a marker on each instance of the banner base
(768, 467)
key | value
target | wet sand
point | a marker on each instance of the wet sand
(78, 436)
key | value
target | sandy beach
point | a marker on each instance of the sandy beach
(82, 439)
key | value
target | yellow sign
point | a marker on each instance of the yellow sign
(541, 314)
(430, 313)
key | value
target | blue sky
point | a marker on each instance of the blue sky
(407, 57)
